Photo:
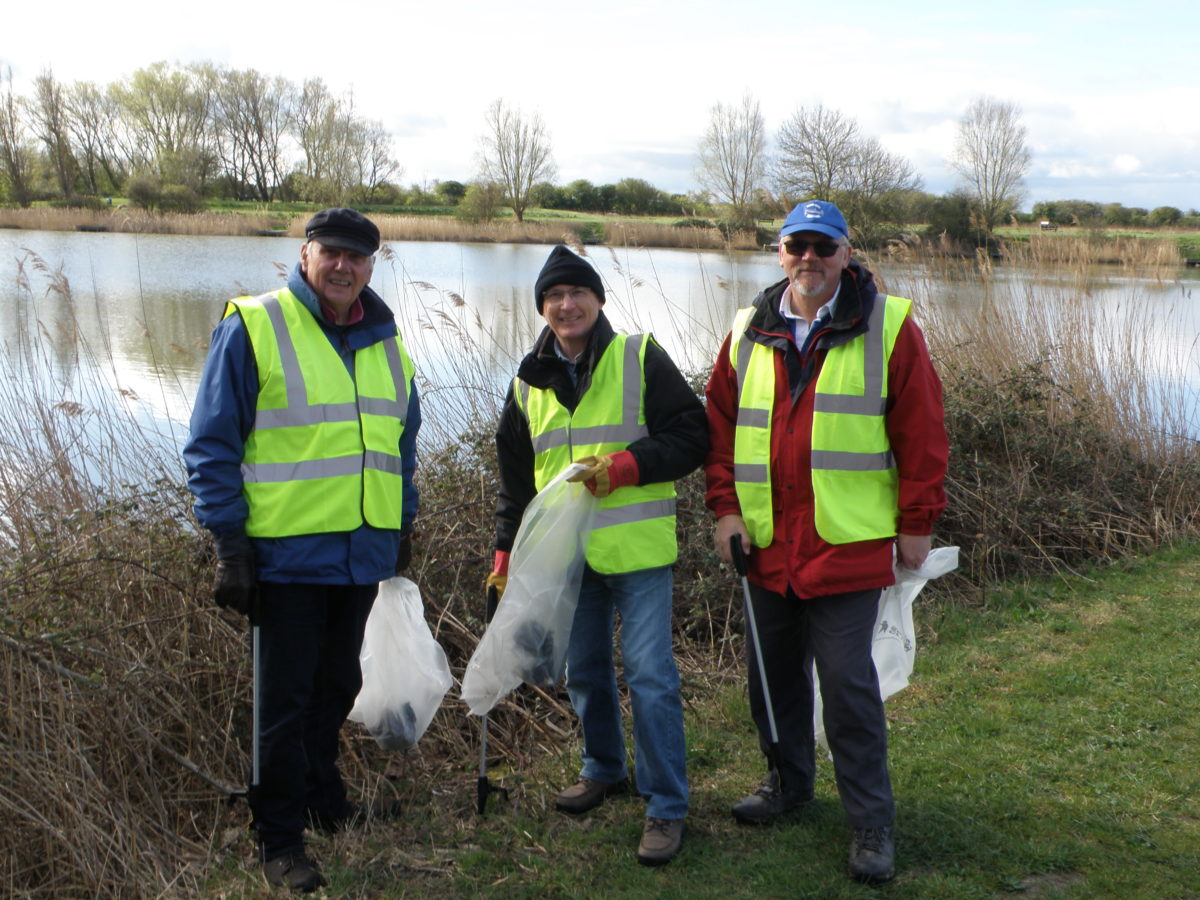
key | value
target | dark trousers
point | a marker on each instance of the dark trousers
(836, 632)
(309, 639)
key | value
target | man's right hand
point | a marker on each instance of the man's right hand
(727, 527)
(497, 582)
(235, 581)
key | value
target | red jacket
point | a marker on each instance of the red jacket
(798, 557)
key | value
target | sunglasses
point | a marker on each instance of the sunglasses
(823, 249)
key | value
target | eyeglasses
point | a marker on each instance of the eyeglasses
(823, 249)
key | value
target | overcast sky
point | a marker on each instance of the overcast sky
(1109, 91)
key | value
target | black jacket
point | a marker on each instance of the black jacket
(676, 445)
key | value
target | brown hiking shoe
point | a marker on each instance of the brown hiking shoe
(660, 841)
(294, 871)
(587, 794)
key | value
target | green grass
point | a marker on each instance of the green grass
(1046, 748)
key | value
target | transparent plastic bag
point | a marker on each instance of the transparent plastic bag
(527, 638)
(404, 670)
(894, 646)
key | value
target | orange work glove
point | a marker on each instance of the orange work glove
(604, 474)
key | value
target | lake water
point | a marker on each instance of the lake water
(144, 306)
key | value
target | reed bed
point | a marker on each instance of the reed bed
(622, 233)
(1094, 248)
(128, 692)
(657, 234)
(139, 221)
(1066, 450)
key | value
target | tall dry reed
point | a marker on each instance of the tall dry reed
(139, 221)
(1066, 447)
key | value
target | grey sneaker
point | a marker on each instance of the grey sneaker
(660, 841)
(768, 802)
(294, 871)
(872, 855)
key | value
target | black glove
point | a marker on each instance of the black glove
(404, 554)
(235, 584)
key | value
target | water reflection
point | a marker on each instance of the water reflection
(139, 308)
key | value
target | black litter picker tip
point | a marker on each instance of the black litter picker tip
(483, 787)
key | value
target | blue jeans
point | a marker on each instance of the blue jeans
(643, 600)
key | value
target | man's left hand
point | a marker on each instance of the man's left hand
(911, 549)
(404, 553)
(604, 474)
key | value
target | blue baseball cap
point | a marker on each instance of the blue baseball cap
(816, 215)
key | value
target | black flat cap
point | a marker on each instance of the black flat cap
(345, 228)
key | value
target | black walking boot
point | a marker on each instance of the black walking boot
(872, 855)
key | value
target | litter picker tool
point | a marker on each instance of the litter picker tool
(483, 787)
(739, 563)
(255, 704)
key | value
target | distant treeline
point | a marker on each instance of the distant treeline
(185, 138)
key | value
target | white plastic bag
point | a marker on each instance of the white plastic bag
(404, 670)
(895, 643)
(527, 638)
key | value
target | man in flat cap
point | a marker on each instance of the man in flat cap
(618, 404)
(301, 458)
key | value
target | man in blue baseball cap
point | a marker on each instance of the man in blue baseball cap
(828, 454)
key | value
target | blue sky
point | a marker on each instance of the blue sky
(1110, 92)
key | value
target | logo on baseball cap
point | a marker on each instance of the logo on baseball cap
(816, 215)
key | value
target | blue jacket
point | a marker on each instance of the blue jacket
(221, 421)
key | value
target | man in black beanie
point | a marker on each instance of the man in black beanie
(618, 404)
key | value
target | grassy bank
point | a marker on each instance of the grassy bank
(545, 226)
(1043, 750)
(1021, 245)
(1033, 753)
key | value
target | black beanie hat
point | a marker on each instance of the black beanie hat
(564, 267)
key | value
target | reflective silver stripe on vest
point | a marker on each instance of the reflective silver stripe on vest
(742, 363)
(753, 418)
(634, 512)
(748, 473)
(295, 417)
(852, 462)
(382, 462)
(297, 396)
(298, 412)
(305, 470)
(872, 402)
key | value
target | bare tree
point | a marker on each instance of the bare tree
(324, 130)
(253, 114)
(733, 157)
(48, 112)
(374, 163)
(515, 154)
(823, 154)
(168, 112)
(16, 157)
(95, 123)
(991, 156)
(817, 150)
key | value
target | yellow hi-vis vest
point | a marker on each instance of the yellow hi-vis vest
(854, 478)
(635, 526)
(324, 452)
